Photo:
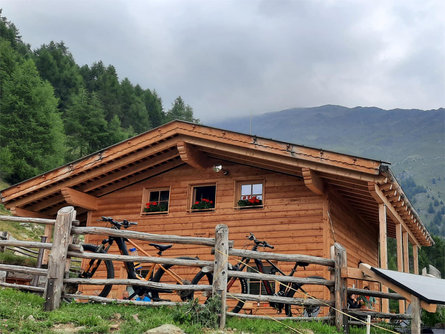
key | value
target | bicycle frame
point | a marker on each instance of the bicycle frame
(132, 274)
(284, 288)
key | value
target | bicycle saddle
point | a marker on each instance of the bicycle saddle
(161, 248)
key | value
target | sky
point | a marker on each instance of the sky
(238, 58)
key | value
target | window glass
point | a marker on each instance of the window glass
(246, 190)
(157, 200)
(250, 194)
(204, 197)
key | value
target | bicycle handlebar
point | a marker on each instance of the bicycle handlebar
(264, 243)
(125, 223)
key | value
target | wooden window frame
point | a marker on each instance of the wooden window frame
(193, 197)
(146, 192)
(239, 184)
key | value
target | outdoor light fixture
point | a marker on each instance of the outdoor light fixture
(219, 168)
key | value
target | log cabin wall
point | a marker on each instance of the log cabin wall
(291, 219)
(358, 237)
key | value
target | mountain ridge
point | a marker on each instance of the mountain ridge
(411, 140)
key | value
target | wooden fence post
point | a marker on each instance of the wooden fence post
(57, 257)
(220, 268)
(3, 236)
(416, 313)
(35, 280)
(338, 254)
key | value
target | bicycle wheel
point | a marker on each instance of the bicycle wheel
(174, 274)
(95, 268)
(235, 285)
(304, 311)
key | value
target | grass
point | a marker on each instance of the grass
(9, 257)
(22, 312)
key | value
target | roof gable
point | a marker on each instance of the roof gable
(156, 151)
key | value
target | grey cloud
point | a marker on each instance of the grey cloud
(236, 57)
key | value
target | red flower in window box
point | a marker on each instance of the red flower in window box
(203, 204)
(155, 206)
(250, 201)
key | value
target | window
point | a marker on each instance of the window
(203, 197)
(250, 194)
(155, 201)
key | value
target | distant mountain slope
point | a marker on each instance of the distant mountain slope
(412, 140)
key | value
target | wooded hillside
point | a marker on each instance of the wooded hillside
(54, 111)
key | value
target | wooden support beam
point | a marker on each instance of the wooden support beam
(405, 252)
(312, 181)
(383, 250)
(383, 237)
(192, 156)
(80, 199)
(391, 211)
(416, 259)
(387, 187)
(400, 260)
(20, 212)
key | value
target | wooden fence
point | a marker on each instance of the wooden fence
(62, 250)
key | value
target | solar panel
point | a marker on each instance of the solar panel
(429, 289)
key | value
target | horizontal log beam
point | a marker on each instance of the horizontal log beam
(192, 156)
(355, 273)
(255, 316)
(80, 199)
(282, 257)
(312, 181)
(143, 236)
(22, 287)
(365, 292)
(137, 282)
(284, 279)
(43, 221)
(379, 314)
(278, 299)
(141, 259)
(23, 269)
(30, 244)
(120, 301)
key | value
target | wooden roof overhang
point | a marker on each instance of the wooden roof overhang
(362, 183)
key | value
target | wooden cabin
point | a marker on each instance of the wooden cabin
(302, 199)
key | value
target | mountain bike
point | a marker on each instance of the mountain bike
(240, 285)
(155, 272)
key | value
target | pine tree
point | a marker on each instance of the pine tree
(85, 125)
(56, 64)
(133, 111)
(181, 111)
(31, 131)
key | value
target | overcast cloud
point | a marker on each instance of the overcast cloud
(230, 58)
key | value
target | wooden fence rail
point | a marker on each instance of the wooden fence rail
(62, 249)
